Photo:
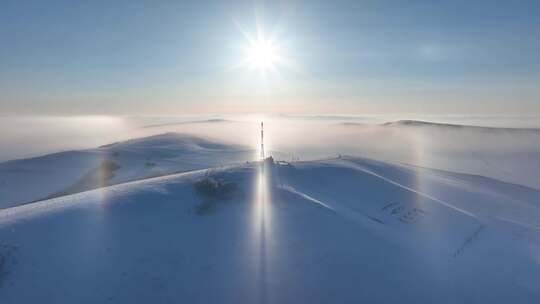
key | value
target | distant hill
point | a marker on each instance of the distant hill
(420, 123)
(215, 120)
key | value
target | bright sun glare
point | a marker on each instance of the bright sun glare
(262, 54)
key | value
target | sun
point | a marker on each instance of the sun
(262, 54)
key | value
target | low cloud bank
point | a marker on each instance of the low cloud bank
(498, 151)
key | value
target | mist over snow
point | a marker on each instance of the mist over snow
(502, 147)
(269, 152)
(354, 209)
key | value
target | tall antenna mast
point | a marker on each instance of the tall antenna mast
(262, 141)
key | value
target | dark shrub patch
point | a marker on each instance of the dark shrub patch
(212, 189)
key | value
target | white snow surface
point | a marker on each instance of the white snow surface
(26, 180)
(343, 230)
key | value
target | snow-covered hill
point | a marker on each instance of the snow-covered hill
(26, 180)
(344, 230)
(421, 123)
(504, 153)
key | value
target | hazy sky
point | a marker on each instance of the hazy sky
(185, 57)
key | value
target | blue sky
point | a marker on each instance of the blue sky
(342, 57)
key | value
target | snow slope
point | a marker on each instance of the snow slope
(502, 153)
(26, 180)
(345, 230)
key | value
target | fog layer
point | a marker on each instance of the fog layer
(489, 146)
